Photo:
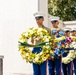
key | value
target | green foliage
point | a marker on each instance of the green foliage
(65, 9)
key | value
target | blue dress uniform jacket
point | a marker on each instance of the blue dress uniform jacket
(54, 66)
(67, 68)
(74, 63)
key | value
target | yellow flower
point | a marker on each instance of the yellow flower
(73, 37)
(51, 51)
(59, 39)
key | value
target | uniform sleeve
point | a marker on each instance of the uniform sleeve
(49, 30)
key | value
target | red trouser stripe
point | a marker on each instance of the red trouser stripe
(71, 68)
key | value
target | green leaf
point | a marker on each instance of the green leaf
(65, 9)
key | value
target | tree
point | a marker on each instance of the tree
(65, 9)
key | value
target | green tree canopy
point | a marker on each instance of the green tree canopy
(65, 9)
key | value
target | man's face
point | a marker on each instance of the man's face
(67, 33)
(73, 33)
(39, 21)
(55, 24)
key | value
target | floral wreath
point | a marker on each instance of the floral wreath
(71, 55)
(45, 43)
(73, 45)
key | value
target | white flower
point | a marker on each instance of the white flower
(44, 59)
(26, 34)
(37, 58)
(73, 44)
(27, 54)
(39, 29)
(41, 53)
